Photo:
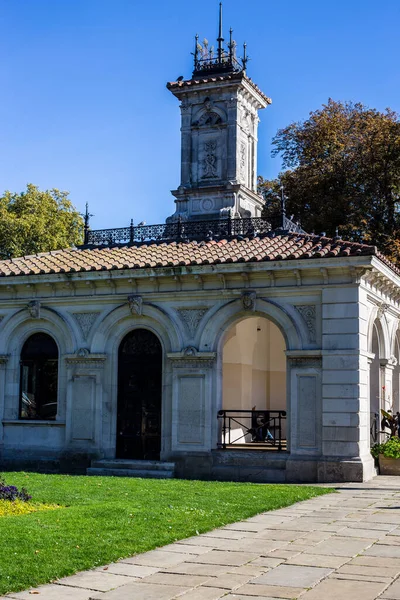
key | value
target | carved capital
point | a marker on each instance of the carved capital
(83, 358)
(191, 358)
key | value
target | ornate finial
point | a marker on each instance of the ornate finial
(220, 38)
(245, 58)
(86, 228)
(196, 50)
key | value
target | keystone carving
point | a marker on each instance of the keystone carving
(34, 309)
(135, 305)
(248, 300)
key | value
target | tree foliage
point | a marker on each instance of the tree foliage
(342, 171)
(37, 221)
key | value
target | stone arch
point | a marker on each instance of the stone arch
(209, 117)
(218, 324)
(107, 339)
(377, 323)
(217, 330)
(16, 331)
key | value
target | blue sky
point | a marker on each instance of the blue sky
(83, 101)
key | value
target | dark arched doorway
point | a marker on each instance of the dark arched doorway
(139, 396)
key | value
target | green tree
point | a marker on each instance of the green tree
(342, 171)
(37, 221)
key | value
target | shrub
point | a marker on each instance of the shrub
(390, 449)
(11, 493)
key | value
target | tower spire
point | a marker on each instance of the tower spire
(220, 38)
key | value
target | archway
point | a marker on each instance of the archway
(396, 374)
(139, 396)
(375, 382)
(254, 384)
(38, 378)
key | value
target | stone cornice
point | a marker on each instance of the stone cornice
(85, 359)
(192, 358)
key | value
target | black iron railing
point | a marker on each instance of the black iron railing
(263, 428)
(181, 230)
(374, 427)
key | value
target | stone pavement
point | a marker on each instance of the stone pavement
(343, 546)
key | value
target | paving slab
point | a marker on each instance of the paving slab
(273, 591)
(128, 570)
(315, 560)
(94, 580)
(197, 569)
(157, 558)
(140, 591)
(218, 557)
(373, 570)
(204, 594)
(382, 550)
(188, 580)
(229, 581)
(293, 576)
(338, 546)
(53, 592)
(339, 589)
(393, 591)
(186, 548)
(379, 579)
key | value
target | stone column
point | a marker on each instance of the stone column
(186, 142)
(191, 441)
(345, 394)
(232, 173)
(3, 364)
(84, 407)
(304, 414)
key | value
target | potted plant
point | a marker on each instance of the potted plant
(388, 453)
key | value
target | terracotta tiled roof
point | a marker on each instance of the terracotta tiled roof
(187, 83)
(268, 247)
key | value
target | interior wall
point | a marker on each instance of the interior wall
(375, 375)
(254, 366)
(396, 375)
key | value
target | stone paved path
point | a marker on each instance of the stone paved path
(343, 546)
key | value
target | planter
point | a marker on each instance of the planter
(389, 466)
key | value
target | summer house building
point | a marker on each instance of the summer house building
(216, 345)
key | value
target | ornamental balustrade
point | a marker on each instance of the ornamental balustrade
(181, 230)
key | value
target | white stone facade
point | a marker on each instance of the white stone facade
(326, 310)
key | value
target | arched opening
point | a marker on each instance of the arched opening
(254, 385)
(38, 378)
(396, 374)
(139, 396)
(375, 382)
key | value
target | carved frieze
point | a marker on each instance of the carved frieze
(308, 313)
(83, 358)
(191, 358)
(191, 318)
(135, 304)
(85, 321)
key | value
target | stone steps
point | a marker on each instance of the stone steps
(132, 468)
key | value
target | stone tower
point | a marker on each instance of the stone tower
(219, 108)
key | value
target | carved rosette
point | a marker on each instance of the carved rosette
(85, 321)
(308, 313)
(135, 305)
(191, 317)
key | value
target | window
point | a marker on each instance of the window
(38, 378)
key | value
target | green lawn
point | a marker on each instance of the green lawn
(106, 518)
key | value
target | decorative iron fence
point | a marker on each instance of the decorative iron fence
(190, 230)
(374, 427)
(252, 427)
